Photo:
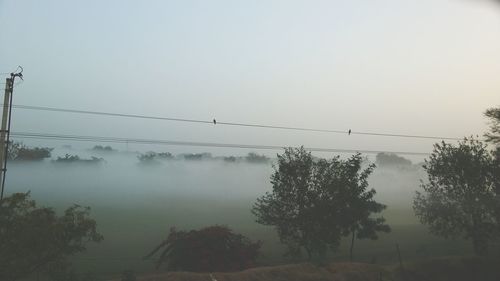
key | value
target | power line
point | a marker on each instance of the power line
(30, 135)
(66, 110)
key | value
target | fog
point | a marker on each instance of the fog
(121, 179)
(216, 76)
(135, 204)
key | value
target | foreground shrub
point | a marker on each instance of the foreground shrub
(213, 248)
(37, 239)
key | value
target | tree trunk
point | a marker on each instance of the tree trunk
(352, 244)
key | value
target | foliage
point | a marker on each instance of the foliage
(253, 157)
(391, 159)
(230, 159)
(165, 155)
(494, 115)
(34, 239)
(76, 159)
(19, 151)
(153, 157)
(461, 194)
(315, 202)
(214, 248)
(147, 158)
(197, 156)
(101, 148)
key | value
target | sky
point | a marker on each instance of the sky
(427, 67)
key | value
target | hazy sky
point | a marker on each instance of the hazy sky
(425, 67)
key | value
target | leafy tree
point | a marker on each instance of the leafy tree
(19, 151)
(214, 248)
(36, 239)
(101, 148)
(460, 197)
(197, 156)
(314, 202)
(360, 205)
(152, 157)
(148, 158)
(391, 159)
(76, 159)
(494, 115)
(165, 155)
(230, 159)
(253, 157)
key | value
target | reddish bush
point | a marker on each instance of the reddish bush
(214, 248)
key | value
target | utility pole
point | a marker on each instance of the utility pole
(5, 130)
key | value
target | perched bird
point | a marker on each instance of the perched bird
(215, 121)
(348, 133)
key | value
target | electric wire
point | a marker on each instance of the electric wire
(254, 125)
(45, 136)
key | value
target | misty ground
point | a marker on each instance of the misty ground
(135, 205)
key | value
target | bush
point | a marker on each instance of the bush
(36, 239)
(391, 159)
(197, 156)
(18, 151)
(147, 157)
(153, 157)
(165, 155)
(213, 248)
(256, 158)
(76, 159)
(230, 159)
(100, 148)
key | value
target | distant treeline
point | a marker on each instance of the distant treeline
(20, 152)
(76, 159)
(156, 157)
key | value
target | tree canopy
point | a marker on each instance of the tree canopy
(460, 198)
(19, 151)
(494, 115)
(391, 159)
(36, 239)
(314, 202)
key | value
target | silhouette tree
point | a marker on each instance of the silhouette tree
(253, 157)
(391, 159)
(315, 202)
(19, 151)
(34, 239)
(360, 204)
(494, 115)
(214, 248)
(460, 198)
